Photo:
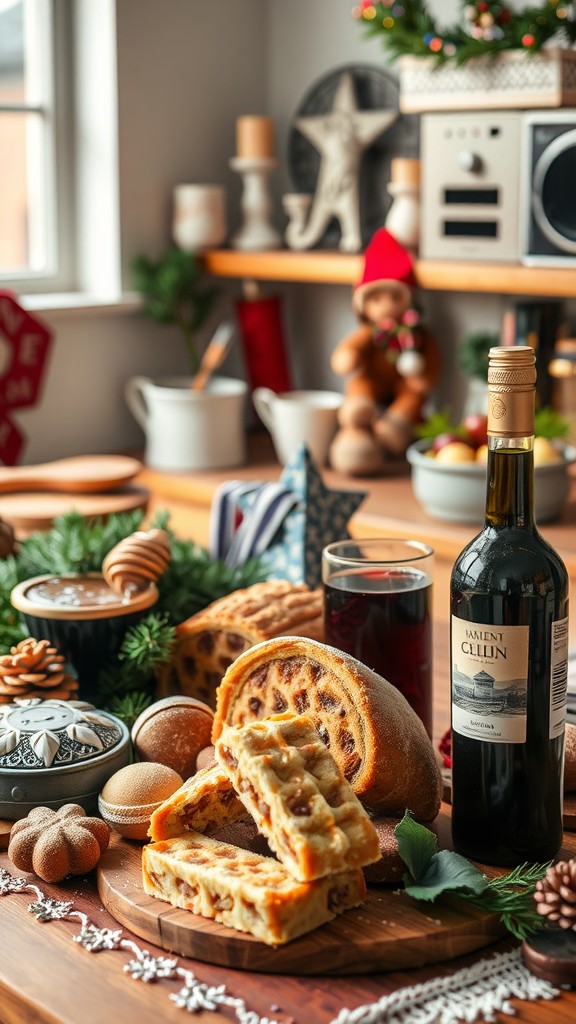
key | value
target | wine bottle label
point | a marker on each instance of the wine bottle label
(558, 677)
(489, 681)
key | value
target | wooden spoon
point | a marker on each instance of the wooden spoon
(79, 474)
(213, 356)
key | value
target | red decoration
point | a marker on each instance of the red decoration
(263, 343)
(21, 370)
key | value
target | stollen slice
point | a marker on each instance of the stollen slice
(298, 797)
(375, 737)
(244, 890)
(205, 802)
(209, 641)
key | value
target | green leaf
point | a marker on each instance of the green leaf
(447, 872)
(417, 845)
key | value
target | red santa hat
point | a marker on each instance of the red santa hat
(386, 261)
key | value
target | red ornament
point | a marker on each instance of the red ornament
(528, 40)
(24, 344)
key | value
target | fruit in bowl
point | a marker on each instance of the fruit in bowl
(449, 469)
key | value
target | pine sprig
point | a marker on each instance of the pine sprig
(149, 643)
(511, 896)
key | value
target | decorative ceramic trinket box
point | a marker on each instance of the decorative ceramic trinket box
(54, 752)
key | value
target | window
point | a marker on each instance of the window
(32, 219)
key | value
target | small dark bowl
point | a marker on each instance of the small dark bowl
(83, 617)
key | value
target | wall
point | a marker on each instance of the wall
(186, 70)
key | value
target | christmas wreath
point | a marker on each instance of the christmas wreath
(489, 27)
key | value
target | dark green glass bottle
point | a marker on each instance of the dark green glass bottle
(509, 648)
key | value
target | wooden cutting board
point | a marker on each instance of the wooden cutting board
(389, 931)
(5, 827)
(27, 512)
(85, 474)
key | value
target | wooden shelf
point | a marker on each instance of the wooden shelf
(320, 267)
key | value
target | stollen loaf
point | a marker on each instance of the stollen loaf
(209, 641)
(376, 739)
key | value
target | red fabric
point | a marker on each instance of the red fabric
(263, 342)
(20, 383)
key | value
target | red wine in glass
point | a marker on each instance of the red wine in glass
(383, 617)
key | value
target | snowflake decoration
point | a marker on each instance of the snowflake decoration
(8, 883)
(196, 996)
(50, 910)
(150, 968)
(96, 939)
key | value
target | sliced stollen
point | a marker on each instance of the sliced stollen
(206, 801)
(298, 797)
(209, 641)
(244, 890)
(375, 737)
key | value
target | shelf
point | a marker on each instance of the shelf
(320, 267)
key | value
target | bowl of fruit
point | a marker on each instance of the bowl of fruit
(448, 467)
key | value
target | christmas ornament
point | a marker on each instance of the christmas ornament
(21, 369)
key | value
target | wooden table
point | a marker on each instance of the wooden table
(46, 977)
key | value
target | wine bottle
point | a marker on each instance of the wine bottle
(509, 648)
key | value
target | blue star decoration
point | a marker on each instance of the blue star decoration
(318, 517)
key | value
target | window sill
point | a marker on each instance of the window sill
(81, 303)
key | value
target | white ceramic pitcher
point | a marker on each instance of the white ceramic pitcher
(190, 430)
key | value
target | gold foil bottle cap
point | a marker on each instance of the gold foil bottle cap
(511, 390)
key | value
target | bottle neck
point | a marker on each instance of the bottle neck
(510, 482)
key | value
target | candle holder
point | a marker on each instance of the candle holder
(256, 231)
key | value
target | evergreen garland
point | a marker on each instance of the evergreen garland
(192, 581)
(489, 27)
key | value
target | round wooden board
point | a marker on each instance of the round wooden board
(389, 931)
(36, 511)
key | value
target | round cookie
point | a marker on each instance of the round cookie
(570, 758)
(206, 758)
(390, 868)
(173, 731)
(130, 796)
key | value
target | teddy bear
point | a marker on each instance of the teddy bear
(391, 359)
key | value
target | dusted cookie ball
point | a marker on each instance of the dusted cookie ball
(206, 758)
(133, 793)
(172, 732)
(390, 868)
(570, 759)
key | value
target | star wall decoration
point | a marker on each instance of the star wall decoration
(341, 136)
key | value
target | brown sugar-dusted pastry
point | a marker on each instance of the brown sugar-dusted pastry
(244, 890)
(373, 734)
(298, 797)
(390, 867)
(55, 844)
(209, 641)
(205, 802)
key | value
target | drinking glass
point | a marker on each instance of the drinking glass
(378, 608)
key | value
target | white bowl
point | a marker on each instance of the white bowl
(457, 491)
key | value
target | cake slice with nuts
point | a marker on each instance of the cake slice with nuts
(205, 802)
(297, 795)
(244, 890)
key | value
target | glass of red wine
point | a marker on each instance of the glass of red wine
(378, 608)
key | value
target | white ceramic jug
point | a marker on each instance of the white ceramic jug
(190, 430)
(296, 417)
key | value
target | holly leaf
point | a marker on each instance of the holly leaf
(432, 873)
(447, 872)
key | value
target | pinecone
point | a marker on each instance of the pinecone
(8, 543)
(555, 894)
(35, 669)
(137, 561)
